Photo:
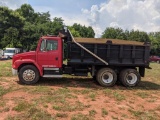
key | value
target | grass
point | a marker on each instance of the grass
(5, 68)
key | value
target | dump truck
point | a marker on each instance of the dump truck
(107, 60)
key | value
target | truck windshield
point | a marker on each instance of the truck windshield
(9, 51)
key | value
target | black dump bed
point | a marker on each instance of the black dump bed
(114, 52)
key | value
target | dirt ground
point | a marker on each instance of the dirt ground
(78, 99)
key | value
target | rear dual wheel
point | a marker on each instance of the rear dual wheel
(130, 77)
(106, 77)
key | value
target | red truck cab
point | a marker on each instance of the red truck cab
(46, 61)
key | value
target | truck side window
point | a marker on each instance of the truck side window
(42, 45)
(51, 45)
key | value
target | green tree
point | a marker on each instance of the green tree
(11, 23)
(74, 32)
(114, 33)
(84, 31)
(155, 43)
(118, 33)
(56, 25)
(27, 12)
(138, 36)
(42, 17)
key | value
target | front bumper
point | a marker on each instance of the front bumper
(14, 71)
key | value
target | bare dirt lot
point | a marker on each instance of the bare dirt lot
(78, 98)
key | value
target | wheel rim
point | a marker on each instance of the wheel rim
(132, 78)
(29, 75)
(107, 77)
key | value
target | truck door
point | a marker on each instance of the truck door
(48, 56)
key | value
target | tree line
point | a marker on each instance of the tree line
(23, 27)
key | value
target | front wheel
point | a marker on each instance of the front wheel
(106, 77)
(28, 74)
(130, 77)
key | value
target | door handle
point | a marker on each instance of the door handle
(56, 58)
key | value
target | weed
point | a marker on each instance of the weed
(145, 115)
(84, 91)
(38, 114)
(41, 90)
(22, 106)
(118, 97)
(149, 116)
(92, 112)
(32, 113)
(69, 107)
(135, 113)
(45, 106)
(2, 103)
(143, 94)
(4, 91)
(92, 96)
(114, 118)
(158, 108)
(107, 92)
(124, 116)
(104, 112)
(6, 109)
(57, 107)
(61, 115)
(54, 99)
(80, 116)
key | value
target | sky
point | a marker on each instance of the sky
(143, 15)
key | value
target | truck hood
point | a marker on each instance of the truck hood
(27, 55)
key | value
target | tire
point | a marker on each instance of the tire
(28, 74)
(158, 61)
(130, 77)
(106, 77)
